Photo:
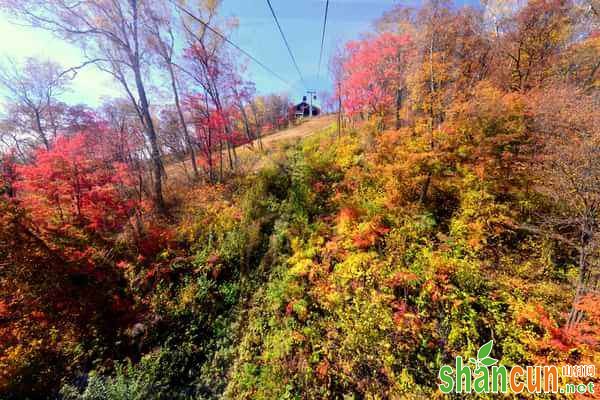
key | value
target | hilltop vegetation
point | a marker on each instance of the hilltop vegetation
(455, 201)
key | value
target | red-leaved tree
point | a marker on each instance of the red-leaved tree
(216, 104)
(375, 75)
(77, 184)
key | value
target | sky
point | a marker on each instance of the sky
(301, 21)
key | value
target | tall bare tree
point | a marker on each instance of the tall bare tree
(208, 64)
(32, 90)
(570, 176)
(161, 38)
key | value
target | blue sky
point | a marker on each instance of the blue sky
(301, 21)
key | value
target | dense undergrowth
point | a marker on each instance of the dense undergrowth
(323, 276)
(456, 202)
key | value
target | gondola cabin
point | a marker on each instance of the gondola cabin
(303, 109)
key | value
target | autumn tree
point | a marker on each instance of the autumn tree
(12, 137)
(276, 109)
(579, 64)
(55, 299)
(242, 96)
(530, 40)
(161, 35)
(77, 184)
(336, 70)
(79, 118)
(33, 90)
(8, 174)
(111, 34)
(451, 54)
(219, 91)
(173, 141)
(127, 144)
(375, 75)
(570, 176)
(214, 77)
(266, 113)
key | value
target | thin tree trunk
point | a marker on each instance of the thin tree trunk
(398, 108)
(423, 197)
(229, 157)
(145, 110)
(221, 160)
(38, 122)
(246, 124)
(258, 126)
(152, 138)
(339, 109)
(186, 132)
(575, 315)
(235, 156)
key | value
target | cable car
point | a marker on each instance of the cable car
(302, 109)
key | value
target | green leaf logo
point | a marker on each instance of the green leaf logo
(485, 350)
(483, 356)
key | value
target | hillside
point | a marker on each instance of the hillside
(323, 275)
(254, 153)
(436, 235)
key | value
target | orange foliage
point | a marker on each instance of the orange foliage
(370, 235)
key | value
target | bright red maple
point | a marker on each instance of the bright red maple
(76, 183)
(374, 71)
(216, 103)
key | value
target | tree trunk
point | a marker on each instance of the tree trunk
(40, 130)
(576, 315)
(221, 160)
(134, 57)
(186, 132)
(423, 197)
(246, 124)
(209, 154)
(339, 110)
(258, 126)
(229, 157)
(152, 138)
(398, 108)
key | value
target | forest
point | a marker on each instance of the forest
(157, 247)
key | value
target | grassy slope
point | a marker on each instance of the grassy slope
(321, 276)
(251, 157)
